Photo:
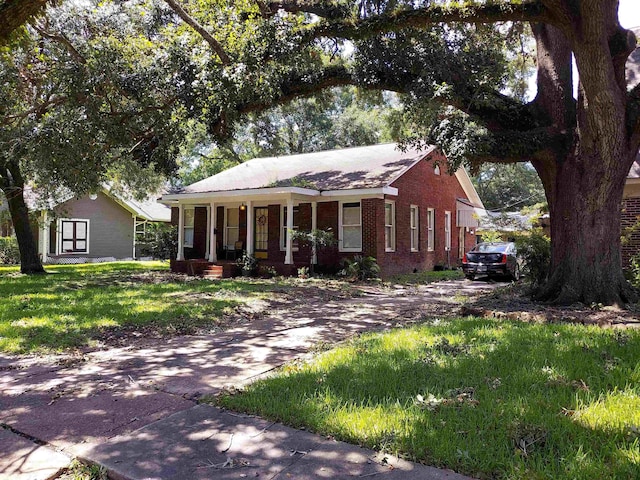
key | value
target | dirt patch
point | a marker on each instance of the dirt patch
(514, 303)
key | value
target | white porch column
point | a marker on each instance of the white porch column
(213, 255)
(288, 257)
(207, 241)
(44, 235)
(250, 229)
(180, 255)
(135, 229)
(314, 227)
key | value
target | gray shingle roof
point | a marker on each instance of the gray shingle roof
(148, 208)
(361, 167)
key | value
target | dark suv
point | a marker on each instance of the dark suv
(492, 259)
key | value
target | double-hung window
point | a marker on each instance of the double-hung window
(350, 227)
(189, 222)
(74, 235)
(447, 231)
(431, 237)
(283, 226)
(232, 227)
(414, 225)
(389, 226)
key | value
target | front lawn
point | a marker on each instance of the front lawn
(487, 398)
(78, 305)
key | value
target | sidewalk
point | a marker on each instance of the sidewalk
(133, 409)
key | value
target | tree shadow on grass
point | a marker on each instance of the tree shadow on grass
(486, 398)
(51, 312)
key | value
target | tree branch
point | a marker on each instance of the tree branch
(323, 9)
(298, 85)
(193, 23)
(523, 11)
(62, 40)
(15, 13)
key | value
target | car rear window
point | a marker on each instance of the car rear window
(490, 248)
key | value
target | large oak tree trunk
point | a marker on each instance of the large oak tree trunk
(12, 186)
(584, 178)
(585, 237)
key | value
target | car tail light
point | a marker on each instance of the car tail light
(464, 258)
(504, 258)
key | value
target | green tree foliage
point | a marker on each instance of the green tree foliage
(337, 118)
(86, 97)
(508, 187)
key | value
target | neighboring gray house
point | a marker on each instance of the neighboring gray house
(99, 227)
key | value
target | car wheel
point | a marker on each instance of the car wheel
(470, 276)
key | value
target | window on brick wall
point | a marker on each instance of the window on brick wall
(350, 227)
(390, 226)
(232, 227)
(447, 231)
(414, 225)
(283, 226)
(189, 222)
(431, 235)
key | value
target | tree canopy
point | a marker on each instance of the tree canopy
(85, 98)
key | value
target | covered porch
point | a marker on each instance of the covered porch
(216, 229)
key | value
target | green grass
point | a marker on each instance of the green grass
(75, 305)
(491, 399)
(426, 277)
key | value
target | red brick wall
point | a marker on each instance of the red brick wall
(630, 216)
(422, 187)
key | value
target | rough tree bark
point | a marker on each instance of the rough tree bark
(12, 185)
(584, 178)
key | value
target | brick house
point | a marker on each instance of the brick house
(378, 201)
(631, 214)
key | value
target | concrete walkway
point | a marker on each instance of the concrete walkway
(133, 409)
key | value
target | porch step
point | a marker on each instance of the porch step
(213, 271)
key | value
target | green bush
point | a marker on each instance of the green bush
(160, 241)
(534, 249)
(633, 272)
(248, 264)
(9, 252)
(360, 268)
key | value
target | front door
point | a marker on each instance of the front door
(261, 229)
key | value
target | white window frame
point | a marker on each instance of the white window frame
(431, 232)
(390, 246)
(227, 227)
(59, 250)
(447, 230)
(283, 227)
(414, 227)
(436, 170)
(186, 227)
(341, 248)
